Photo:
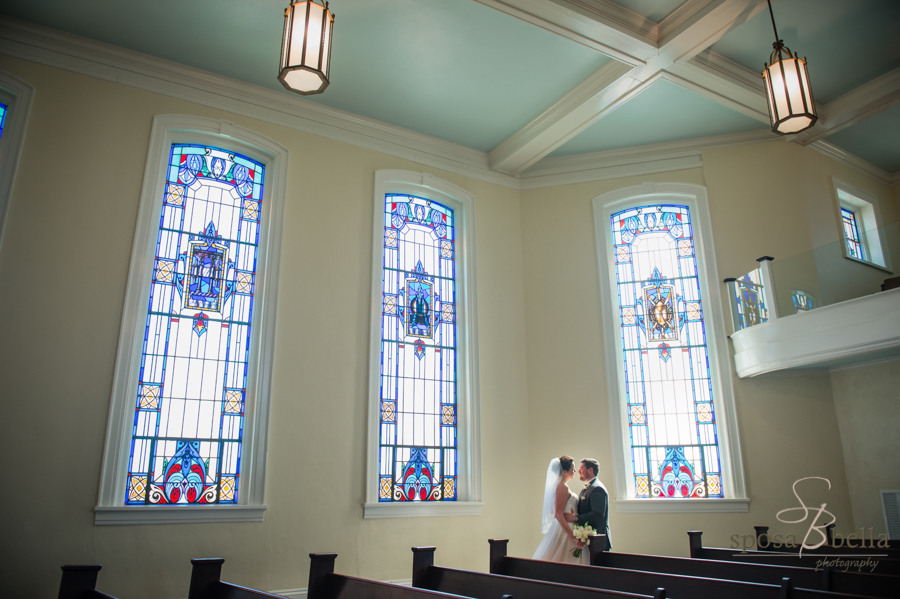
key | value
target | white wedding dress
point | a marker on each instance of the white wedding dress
(557, 545)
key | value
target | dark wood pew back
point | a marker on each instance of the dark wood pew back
(637, 581)
(871, 585)
(325, 584)
(863, 545)
(206, 583)
(79, 582)
(492, 586)
(809, 558)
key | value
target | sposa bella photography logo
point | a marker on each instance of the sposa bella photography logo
(817, 530)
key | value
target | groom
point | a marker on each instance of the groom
(593, 503)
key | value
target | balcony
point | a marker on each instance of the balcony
(821, 309)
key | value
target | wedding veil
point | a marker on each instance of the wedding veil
(554, 476)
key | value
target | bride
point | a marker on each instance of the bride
(559, 542)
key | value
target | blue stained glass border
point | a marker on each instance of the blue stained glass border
(418, 426)
(196, 340)
(662, 331)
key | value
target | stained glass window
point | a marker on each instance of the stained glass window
(803, 301)
(851, 234)
(749, 300)
(418, 401)
(671, 410)
(189, 401)
(2, 118)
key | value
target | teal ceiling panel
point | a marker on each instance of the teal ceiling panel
(663, 112)
(847, 42)
(453, 69)
(876, 139)
(655, 10)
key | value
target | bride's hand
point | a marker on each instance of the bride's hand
(569, 516)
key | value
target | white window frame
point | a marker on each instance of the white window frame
(17, 95)
(166, 130)
(695, 198)
(868, 219)
(469, 491)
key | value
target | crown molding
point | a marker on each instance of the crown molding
(637, 160)
(832, 151)
(51, 47)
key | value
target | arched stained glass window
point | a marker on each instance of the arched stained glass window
(189, 400)
(418, 446)
(671, 411)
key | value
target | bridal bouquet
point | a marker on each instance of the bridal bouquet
(583, 534)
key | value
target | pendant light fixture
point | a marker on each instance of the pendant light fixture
(306, 47)
(791, 105)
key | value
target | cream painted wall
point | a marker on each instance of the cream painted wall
(63, 265)
(867, 402)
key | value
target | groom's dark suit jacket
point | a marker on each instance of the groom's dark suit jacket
(593, 508)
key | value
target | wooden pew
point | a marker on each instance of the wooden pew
(493, 586)
(874, 585)
(637, 581)
(206, 583)
(808, 559)
(79, 582)
(325, 584)
(892, 551)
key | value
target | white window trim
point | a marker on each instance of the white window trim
(166, 130)
(469, 491)
(693, 196)
(18, 96)
(868, 219)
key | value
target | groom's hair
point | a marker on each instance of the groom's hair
(592, 464)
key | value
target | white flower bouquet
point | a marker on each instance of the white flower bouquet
(583, 534)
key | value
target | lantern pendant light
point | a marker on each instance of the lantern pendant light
(791, 105)
(306, 47)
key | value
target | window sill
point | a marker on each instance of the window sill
(164, 514)
(872, 264)
(418, 509)
(659, 506)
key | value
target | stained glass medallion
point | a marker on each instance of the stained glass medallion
(188, 423)
(418, 425)
(670, 405)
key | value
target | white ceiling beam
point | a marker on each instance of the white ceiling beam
(698, 22)
(861, 103)
(601, 93)
(603, 26)
(715, 77)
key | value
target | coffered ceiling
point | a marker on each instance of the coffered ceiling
(521, 80)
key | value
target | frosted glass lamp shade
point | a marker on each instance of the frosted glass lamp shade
(306, 48)
(791, 105)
